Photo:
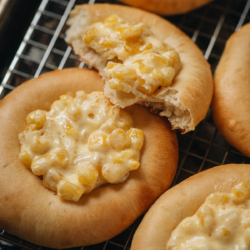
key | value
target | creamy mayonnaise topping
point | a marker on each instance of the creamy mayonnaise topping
(221, 223)
(80, 144)
(141, 63)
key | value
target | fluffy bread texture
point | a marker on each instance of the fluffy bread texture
(38, 215)
(231, 101)
(187, 100)
(183, 201)
(167, 7)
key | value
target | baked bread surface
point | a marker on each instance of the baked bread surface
(167, 7)
(231, 101)
(183, 201)
(38, 215)
(192, 88)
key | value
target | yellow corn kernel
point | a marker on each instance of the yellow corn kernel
(51, 179)
(97, 141)
(36, 119)
(40, 165)
(63, 157)
(173, 56)
(159, 59)
(224, 232)
(112, 173)
(169, 76)
(116, 85)
(146, 52)
(89, 35)
(66, 98)
(127, 32)
(146, 91)
(88, 175)
(125, 73)
(25, 158)
(141, 81)
(137, 137)
(111, 21)
(69, 191)
(40, 145)
(144, 69)
(119, 140)
(111, 65)
(105, 42)
(127, 154)
(68, 128)
(125, 121)
(73, 111)
(157, 74)
(147, 47)
(133, 165)
(132, 46)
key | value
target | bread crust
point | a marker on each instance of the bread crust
(193, 85)
(183, 201)
(167, 7)
(34, 213)
(231, 101)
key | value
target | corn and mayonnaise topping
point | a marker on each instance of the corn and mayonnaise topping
(139, 62)
(221, 223)
(80, 144)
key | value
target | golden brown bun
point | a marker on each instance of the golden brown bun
(183, 201)
(167, 7)
(34, 213)
(231, 101)
(191, 91)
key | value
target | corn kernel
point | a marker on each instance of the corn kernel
(63, 157)
(25, 158)
(159, 59)
(119, 140)
(111, 21)
(88, 175)
(147, 47)
(106, 42)
(111, 65)
(224, 232)
(68, 128)
(116, 85)
(125, 121)
(89, 35)
(127, 154)
(112, 173)
(132, 46)
(97, 141)
(127, 32)
(36, 119)
(144, 69)
(66, 98)
(137, 137)
(51, 179)
(40, 145)
(73, 111)
(125, 73)
(40, 165)
(146, 91)
(133, 165)
(69, 191)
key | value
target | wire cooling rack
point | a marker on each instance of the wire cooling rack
(43, 49)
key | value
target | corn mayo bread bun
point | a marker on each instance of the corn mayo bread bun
(222, 222)
(143, 59)
(167, 7)
(231, 101)
(38, 215)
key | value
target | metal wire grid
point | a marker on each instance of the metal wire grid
(43, 49)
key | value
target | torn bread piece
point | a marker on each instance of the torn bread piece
(144, 59)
